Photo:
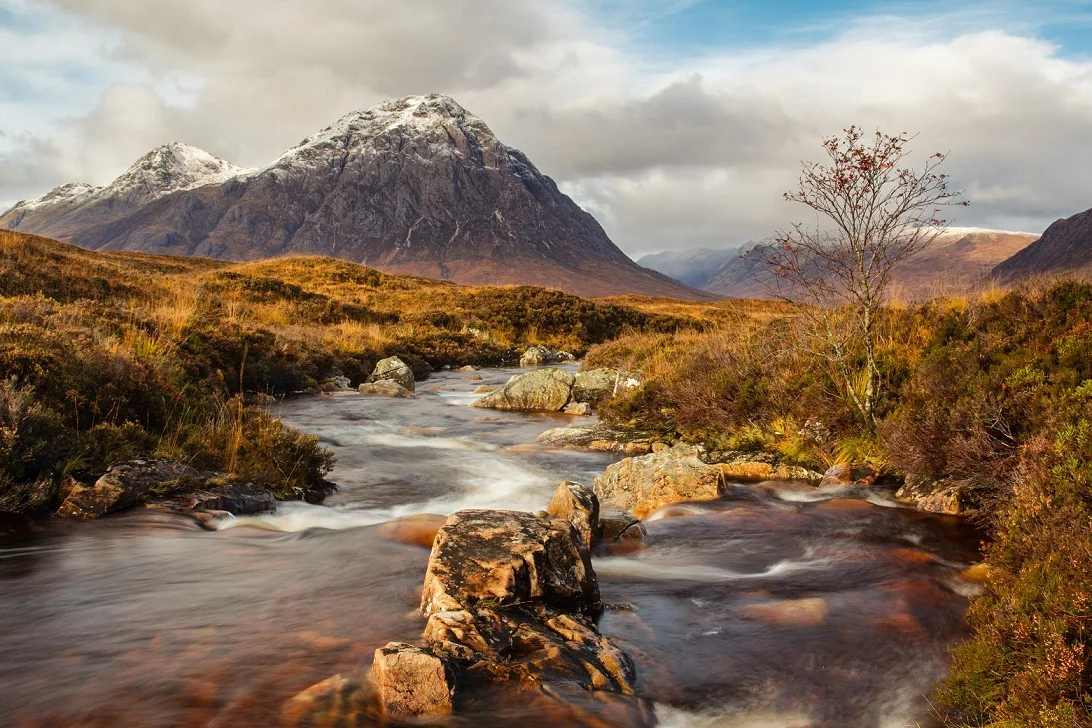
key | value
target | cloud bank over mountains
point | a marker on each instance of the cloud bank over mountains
(668, 146)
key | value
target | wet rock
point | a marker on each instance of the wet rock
(395, 370)
(619, 525)
(416, 530)
(485, 388)
(850, 474)
(579, 506)
(467, 368)
(544, 390)
(643, 484)
(578, 408)
(598, 437)
(411, 681)
(238, 500)
(508, 557)
(564, 356)
(211, 520)
(536, 356)
(595, 385)
(386, 388)
(473, 377)
(124, 485)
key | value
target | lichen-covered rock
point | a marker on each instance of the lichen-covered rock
(536, 356)
(508, 557)
(411, 681)
(599, 437)
(485, 388)
(595, 385)
(850, 474)
(544, 390)
(386, 388)
(124, 485)
(395, 370)
(643, 484)
(579, 506)
(948, 501)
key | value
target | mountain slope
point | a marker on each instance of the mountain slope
(416, 185)
(692, 267)
(1064, 249)
(958, 260)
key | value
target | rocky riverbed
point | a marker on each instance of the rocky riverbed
(777, 603)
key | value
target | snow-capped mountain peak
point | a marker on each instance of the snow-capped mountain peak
(432, 117)
(170, 168)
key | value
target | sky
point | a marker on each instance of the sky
(677, 123)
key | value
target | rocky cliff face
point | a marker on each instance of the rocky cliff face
(416, 185)
(1064, 249)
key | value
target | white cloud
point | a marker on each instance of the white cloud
(668, 150)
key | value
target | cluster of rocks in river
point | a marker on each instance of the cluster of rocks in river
(510, 600)
(166, 485)
(551, 389)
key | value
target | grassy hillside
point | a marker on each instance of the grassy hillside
(106, 356)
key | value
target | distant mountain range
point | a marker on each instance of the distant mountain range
(956, 262)
(417, 185)
(693, 267)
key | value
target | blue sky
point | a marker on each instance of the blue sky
(678, 123)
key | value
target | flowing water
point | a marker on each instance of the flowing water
(790, 607)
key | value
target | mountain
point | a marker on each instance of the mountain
(1064, 249)
(417, 185)
(957, 261)
(692, 267)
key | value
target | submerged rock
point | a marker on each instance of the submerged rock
(545, 390)
(417, 530)
(411, 681)
(392, 369)
(386, 388)
(124, 485)
(619, 525)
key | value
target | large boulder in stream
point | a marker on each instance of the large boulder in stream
(393, 369)
(544, 390)
(506, 557)
(579, 506)
(647, 483)
(511, 600)
(124, 485)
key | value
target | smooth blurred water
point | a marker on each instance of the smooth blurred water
(801, 608)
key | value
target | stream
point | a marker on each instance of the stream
(803, 608)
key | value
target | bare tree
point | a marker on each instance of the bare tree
(872, 212)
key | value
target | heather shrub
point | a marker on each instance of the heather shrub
(1029, 662)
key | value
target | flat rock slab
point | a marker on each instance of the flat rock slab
(124, 485)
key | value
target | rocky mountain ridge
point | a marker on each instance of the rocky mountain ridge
(416, 185)
(1064, 249)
